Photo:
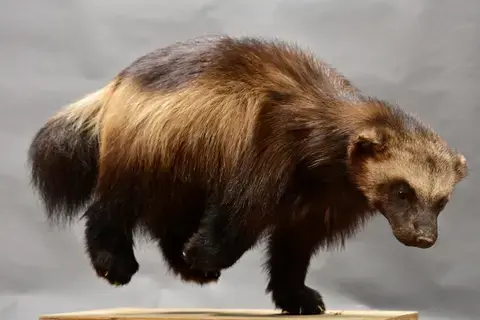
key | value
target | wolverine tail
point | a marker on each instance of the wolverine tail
(63, 157)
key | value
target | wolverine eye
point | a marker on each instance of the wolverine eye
(440, 205)
(403, 191)
(402, 194)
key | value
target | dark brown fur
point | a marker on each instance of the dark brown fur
(209, 144)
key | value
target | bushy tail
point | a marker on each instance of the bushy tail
(63, 157)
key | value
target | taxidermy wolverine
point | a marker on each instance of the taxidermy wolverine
(211, 144)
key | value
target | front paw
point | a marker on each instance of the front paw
(299, 301)
(200, 254)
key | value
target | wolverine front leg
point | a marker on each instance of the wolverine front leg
(290, 249)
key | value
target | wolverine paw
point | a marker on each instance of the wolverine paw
(117, 269)
(201, 256)
(200, 277)
(301, 301)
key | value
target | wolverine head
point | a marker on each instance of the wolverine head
(407, 173)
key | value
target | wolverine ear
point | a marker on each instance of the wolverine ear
(369, 142)
(461, 168)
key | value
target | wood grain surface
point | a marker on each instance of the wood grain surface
(223, 314)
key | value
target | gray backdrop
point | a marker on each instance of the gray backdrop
(421, 54)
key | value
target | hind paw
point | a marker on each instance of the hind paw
(116, 268)
(187, 273)
(203, 255)
(200, 277)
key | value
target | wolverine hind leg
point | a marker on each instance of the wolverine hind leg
(110, 221)
(173, 217)
(182, 211)
(109, 228)
(237, 216)
(171, 244)
(119, 201)
(109, 242)
(219, 242)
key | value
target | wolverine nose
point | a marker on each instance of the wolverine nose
(425, 242)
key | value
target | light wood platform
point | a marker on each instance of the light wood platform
(223, 314)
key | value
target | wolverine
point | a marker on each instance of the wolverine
(212, 144)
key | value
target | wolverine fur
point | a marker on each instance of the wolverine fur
(208, 145)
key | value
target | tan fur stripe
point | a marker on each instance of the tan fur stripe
(205, 122)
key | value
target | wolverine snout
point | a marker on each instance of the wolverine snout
(414, 235)
(424, 242)
(416, 239)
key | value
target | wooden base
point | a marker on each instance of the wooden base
(222, 314)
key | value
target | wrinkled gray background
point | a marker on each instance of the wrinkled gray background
(421, 54)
